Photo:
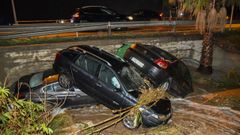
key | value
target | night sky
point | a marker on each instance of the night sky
(62, 9)
(56, 9)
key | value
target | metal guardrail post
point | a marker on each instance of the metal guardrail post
(109, 29)
(77, 34)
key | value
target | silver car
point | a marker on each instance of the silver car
(54, 92)
(44, 86)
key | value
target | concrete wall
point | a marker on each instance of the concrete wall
(17, 61)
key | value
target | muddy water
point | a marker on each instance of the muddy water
(191, 116)
(196, 119)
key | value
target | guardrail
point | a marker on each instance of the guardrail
(38, 30)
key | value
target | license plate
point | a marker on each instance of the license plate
(136, 61)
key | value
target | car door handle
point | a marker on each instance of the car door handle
(98, 84)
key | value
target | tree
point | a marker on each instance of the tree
(207, 18)
(232, 3)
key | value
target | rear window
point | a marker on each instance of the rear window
(145, 52)
(36, 80)
(161, 53)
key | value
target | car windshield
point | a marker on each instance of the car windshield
(108, 11)
(36, 80)
(131, 78)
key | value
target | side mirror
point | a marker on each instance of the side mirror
(115, 83)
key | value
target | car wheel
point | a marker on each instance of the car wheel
(64, 81)
(130, 121)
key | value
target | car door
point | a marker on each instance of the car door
(60, 92)
(85, 72)
(109, 87)
(48, 93)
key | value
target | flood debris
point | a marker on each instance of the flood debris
(148, 97)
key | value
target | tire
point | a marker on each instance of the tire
(64, 81)
(129, 122)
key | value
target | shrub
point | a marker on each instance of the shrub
(21, 117)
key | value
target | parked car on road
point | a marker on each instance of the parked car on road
(44, 85)
(108, 79)
(96, 14)
(159, 66)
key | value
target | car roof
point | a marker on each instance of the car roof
(111, 60)
(145, 10)
(46, 73)
(93, 6)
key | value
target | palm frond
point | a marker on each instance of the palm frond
(201, 21)
(222, 18)
(212, 19)
(172, 1)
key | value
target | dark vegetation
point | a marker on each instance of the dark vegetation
(228, 40)
(21, 117)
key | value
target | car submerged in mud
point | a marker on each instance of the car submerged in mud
(158, 66)
(43, 86)
(110, 80)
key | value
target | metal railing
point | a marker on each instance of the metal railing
(23, 31)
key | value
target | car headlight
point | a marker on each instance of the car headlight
(161, 117)
(141, 109)
(155, 116)
(130, 18)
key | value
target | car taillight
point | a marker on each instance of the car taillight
(57, 56)
(161, 14)
(162, 63)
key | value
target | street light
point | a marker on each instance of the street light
(14, 12)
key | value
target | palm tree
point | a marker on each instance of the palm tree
(207, 19)
(233, 3)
